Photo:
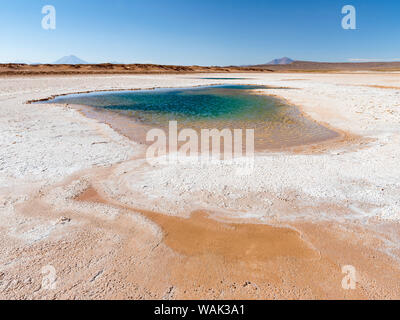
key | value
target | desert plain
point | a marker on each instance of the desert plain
(78, 197)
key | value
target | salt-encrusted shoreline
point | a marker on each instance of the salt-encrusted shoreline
(351, 191)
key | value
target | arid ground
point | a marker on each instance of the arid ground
(18, 69)
(79, 198)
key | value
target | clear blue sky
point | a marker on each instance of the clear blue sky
(203, 32)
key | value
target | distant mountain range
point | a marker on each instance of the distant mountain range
(284, 60)
(70, 60)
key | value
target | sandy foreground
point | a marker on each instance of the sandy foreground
(79, 199)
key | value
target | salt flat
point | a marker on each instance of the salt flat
(341, 201)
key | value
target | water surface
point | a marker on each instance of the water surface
(276, 124)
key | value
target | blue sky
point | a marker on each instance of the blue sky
(206, 32)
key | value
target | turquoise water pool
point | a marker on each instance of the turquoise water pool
(276, 123)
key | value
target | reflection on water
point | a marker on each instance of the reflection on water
(276, 124)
